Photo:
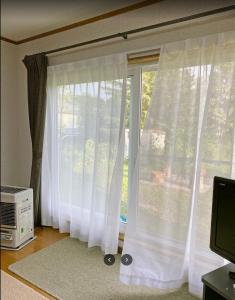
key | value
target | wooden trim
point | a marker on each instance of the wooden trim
(107, 15)
(144, 59)
(125, 34)
(8, 40)
(121, 236)
(120, 250)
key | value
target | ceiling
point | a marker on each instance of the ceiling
(21, 19)
(24, 20)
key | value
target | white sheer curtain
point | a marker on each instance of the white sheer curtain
(188, 138)
(83, 149)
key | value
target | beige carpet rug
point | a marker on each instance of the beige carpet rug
(13, 289)
(68, 270)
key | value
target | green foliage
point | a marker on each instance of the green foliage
(148, 79)
(181, 136)
(124, 190)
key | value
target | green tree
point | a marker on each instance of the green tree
(148, 79)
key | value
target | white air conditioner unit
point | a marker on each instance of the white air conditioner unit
(16, 217)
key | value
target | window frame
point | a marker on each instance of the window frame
(135, 74)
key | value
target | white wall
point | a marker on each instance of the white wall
(10, 170)
(143, 17)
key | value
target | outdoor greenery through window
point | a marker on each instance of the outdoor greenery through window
(73, 106)
(148, 75)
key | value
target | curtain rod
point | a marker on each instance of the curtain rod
(125, 34)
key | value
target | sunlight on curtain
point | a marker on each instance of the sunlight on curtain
(188, 139)
(83, 149)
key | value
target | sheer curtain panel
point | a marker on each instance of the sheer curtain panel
(83, 149)
(188, 139)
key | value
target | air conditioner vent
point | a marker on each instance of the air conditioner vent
(11, 190)
(7, 214)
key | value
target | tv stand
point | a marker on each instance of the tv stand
(219, 285)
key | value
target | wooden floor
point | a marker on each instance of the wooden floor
(45, 237)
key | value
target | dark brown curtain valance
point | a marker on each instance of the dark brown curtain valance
(36, 78)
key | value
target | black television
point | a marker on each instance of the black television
(222, 240)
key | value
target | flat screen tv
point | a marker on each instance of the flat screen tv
(222, 239)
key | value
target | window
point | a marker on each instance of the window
(139, 86)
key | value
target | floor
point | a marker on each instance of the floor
(13, 289)
(45, 237)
